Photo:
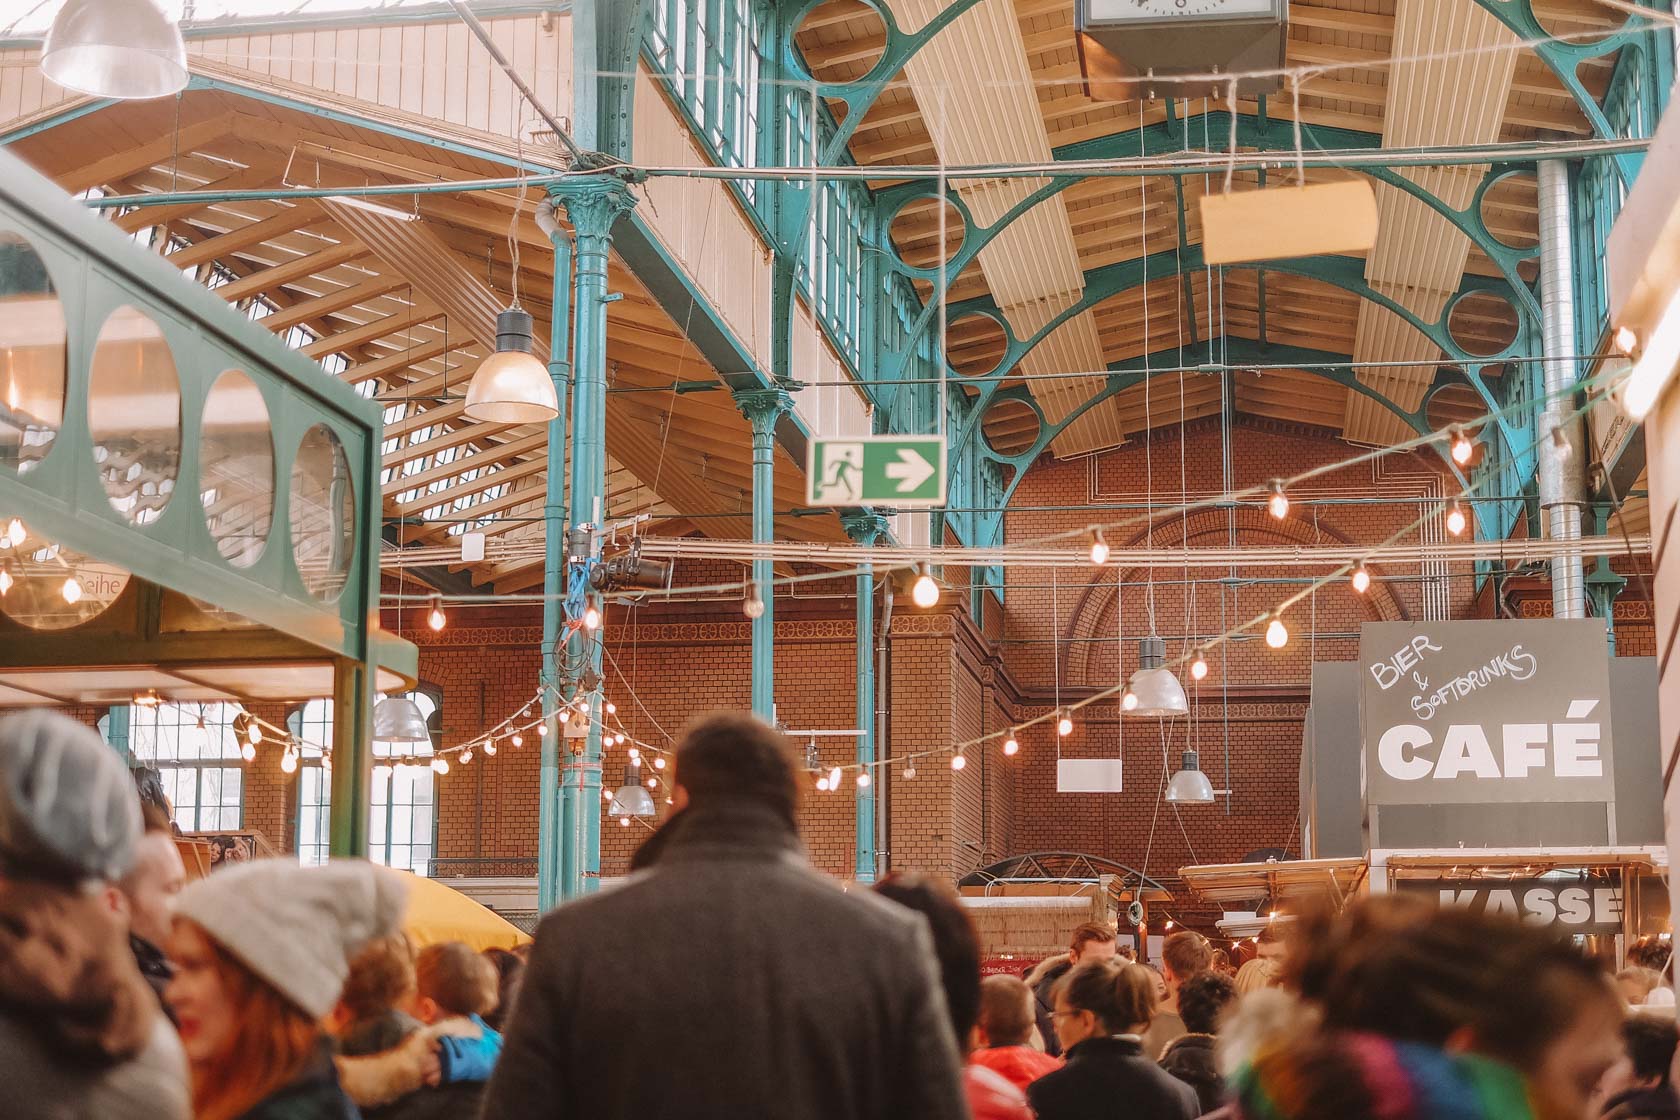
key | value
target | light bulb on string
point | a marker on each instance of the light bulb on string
(248, 752)
(435, 618)
(288, 762)
(909, 771)
(1626, 340)
(635, 754)
(659, 763)
(440, 765)
(1169, 924)
(958, 761)
(612, 709)
(1064, 725)
(5, 580)
(1198, 667)
(1455, 518)
(1128, 701)
(1360, 578)
(1277, 634)
(582, 703)
(863, 780)
(925, 592)
(624, 822)
(16, 534)
(1278, 502)
(490, 748)
(652, 782)
(606, 794)
(834, 778)
(822, 785)
(753, 605)
(1462, 449)
(542, 730)
(1099, 548)
(253, 730)
(592, 618)
(1011, 745)
(466, 755)
(72, 590)
(517, 739)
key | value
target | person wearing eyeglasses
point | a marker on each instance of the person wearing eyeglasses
(1101, 1011)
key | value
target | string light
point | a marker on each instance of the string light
(1627, 341)
(606, 794)
(659, 763)
(289, 762)
(440, 765)
(958, 761)
(925, 592)
(490, 748)
(612, 709)
(822, 784)
(1278, 503)
(1169, 924)
(1099, 548)
(1361, 578)
(753, 605)
(652, 782)
(1462, 449)
(466, 755)
(1198, 667)
(635, 754)
(1128, 701)
(1011, 744)
(834, 778)
(624, 822)
(5, 580)
(909, 771)
(517, 739)
(72, 590)
(1064, 726)
(592, 621)
(16, 534)
(436, 619)
(253, 729)
(1455, 518)
(542, 730)
(248, 752)
(863, 780)
(1277, 634)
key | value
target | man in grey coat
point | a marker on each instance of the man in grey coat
(729, 979)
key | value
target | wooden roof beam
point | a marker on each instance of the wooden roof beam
(271, 278)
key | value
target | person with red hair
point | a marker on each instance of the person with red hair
(261, 953)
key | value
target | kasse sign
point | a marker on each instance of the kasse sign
(1488, 711)
(1569, 904)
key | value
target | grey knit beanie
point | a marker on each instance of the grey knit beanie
(298, 927)
(68, 810)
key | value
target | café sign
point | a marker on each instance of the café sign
(1486, 711)
(1568, 903)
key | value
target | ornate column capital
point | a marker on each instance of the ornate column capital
(864, 526)
(593, 202)
(763, 407)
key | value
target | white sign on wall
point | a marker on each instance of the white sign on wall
(1486, 711)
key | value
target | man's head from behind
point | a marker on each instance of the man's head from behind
(1006, 1012)
(1650, 1042)
(1183, 955)
(733, 758)
(1092, 941)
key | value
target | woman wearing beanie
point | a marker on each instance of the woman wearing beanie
(261, 953)
(1398, 1009)
(1102, 1010)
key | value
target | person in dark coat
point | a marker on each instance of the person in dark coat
(1638, 1087)
(1202, 1002)
(1091, 941)
(1102, 1010)
(727, 978)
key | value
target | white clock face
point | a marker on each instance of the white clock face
(1121, 11)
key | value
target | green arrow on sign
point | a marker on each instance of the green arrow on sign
(904, 472)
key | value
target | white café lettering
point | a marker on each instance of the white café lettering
(1544, 906)
(1466, 752)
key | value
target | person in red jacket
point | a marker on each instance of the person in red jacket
(1002, 1033)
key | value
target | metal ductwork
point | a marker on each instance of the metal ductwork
(1562, 479)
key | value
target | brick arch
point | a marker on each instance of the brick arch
(1090, 615)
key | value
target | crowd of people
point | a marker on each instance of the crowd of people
(727, 978)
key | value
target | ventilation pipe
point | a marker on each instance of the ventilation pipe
(1562, 480)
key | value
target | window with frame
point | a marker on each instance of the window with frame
(198, 758)
(403, 823)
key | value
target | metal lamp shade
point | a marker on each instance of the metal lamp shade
(125, 49)
(512, 386)
(632, 798)
(1190, 786)
(397, 719)
(1158, 691)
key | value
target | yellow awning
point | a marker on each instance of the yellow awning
(439, 912)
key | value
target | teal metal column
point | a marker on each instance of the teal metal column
(593, 203)
(1604, 585)
(554, 574)
(352, 760)
(764, 407)
(117, 719)
(866, 529)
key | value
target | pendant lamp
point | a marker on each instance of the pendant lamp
(632, 798)
(397, 719)
(512, 386)
(123, 49)
(1189, 786)
(1158, 692)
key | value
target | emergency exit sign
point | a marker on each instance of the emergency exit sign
(900, 471)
